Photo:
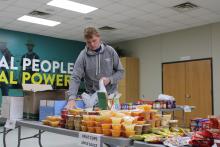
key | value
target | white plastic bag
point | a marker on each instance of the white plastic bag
(89, 100)
(102, 86)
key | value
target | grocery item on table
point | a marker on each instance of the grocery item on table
(91, 129)
(107, 132)
(138, 129)
(116, 133)
(106, 126)
(173, 123)
(177, 141)
(98, 130)
(116, 127)
(116, 120)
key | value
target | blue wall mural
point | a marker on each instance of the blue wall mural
(47, 48)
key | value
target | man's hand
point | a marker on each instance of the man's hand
(71, 104)
(105, 80)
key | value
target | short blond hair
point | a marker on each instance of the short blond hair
(89, 32)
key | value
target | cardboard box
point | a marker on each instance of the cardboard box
(12, 107)
(50, 108)
(33, 93)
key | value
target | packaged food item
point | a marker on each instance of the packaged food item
(70, 118)
(91, 129)
(129, 133)
(78, 128)
(116, 120)
(138, 128)
(107, 132)
(86, 117)
(90, 123)
(116, 133)
(54, 123)
(153, 114)
(129, 127)
(106, 126)
(173, 123)
(146, 128)
(98, 130)
(157, 122)
(152, 123)
(128, 120)
(53, 118)
(98, 118)
(84, 123)
(141, 122)
(84, 128)
(98, 124)
(92, 117)
(46, 122)
(116, 127)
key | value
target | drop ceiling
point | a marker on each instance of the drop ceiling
(131, 18)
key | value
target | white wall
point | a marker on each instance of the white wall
(199, 42)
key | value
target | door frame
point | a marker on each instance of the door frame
(211, 60)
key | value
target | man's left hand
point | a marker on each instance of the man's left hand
(106, 80)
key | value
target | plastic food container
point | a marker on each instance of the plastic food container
(116, 133)
(116, 127)
(107, 132)
(98, 124)
(129, 133)
(129, 127)
(106, 126)
(116, 120)
(91, 129)
(84, 128)
(84, 123)
(138, 128)
(173, 123)
(90, 123)
(146, 127)
(98, 130)
(86, 117)
(152, 123)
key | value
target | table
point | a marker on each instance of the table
(178, 108)
(109, 141)
(144, 144)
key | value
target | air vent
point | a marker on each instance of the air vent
(185, 7)
(107, 28)
(39, 13)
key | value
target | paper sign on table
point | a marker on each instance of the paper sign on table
(89, 139)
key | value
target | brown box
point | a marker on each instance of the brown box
(33, 93)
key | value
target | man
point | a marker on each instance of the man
(7, 54)
(97, 61)
(30, 55)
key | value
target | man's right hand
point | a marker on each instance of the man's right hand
(71, 104)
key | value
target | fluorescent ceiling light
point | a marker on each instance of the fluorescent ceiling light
(73, 6)
(37, 20)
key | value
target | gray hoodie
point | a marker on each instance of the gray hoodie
(92, 66)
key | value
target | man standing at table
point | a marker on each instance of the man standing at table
(97, 61)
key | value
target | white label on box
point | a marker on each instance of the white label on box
(89, 139)
(10, 124)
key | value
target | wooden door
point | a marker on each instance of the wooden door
(199, 88)
(191, 84)
(174, 84)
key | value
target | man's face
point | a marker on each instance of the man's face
(94, 42)
(30, 47)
